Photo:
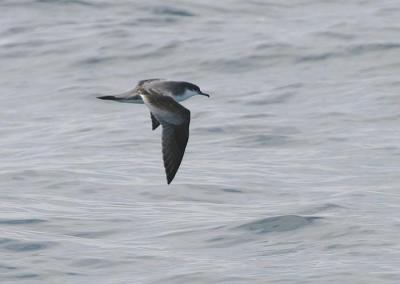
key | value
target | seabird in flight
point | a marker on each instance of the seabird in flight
(162, 98)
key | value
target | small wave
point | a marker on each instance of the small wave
(335, 35)
(232, 190)
(373, 47)
(255, 140)
(22, 246)
(278, 224)
(318, 57)
(6, 268)
(93, 235)
(255, 116)
(279, 99)
(322, 208)
(20, 221)
(212, 129)
(241, 64)
(26, 275)
(172, 11)
(151, 53)
(290, 86)
(96, 60)
(71, 2)
(350, 51)
(92, 262)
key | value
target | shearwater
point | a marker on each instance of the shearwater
(162, 97)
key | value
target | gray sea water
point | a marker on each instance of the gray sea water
(291, 174)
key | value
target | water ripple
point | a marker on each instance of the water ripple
(23, 246)
(172, 11)
(355, 50)
(278, 224)
(21, 221)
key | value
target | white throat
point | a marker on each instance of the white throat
(187, 94)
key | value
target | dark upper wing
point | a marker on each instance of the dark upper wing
(175, 120)
(174, 141)
(143, 82)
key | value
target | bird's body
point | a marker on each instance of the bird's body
(162, 98)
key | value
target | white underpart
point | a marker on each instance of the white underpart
(163, 114)
(187, 94)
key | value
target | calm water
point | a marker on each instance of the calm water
(291, 174)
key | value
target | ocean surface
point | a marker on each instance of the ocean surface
(291, 173)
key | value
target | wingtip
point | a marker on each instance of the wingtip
(170, 178)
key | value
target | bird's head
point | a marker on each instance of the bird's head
(192, 90)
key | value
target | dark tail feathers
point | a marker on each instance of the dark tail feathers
(112, 98)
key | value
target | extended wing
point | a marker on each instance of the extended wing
(175, 120)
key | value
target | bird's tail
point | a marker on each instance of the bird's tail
(124, 98)
(111, 98)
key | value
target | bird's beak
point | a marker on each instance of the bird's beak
(204, 94)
